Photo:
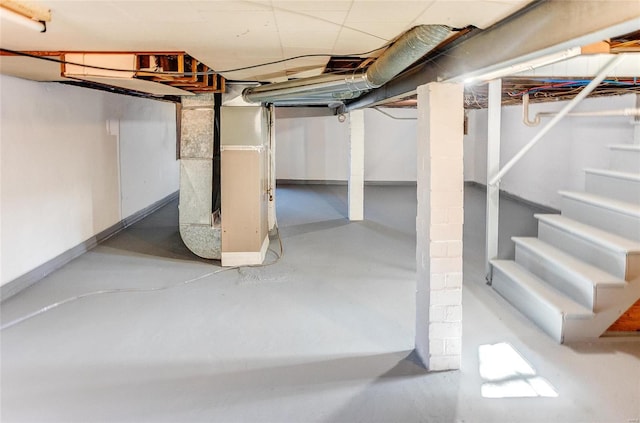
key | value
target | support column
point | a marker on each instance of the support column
(356, 165)
(493, 167)
(271, 210)
(636, 123)
(439, 221)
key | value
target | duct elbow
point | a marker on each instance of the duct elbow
(247, 95)
(202, 240)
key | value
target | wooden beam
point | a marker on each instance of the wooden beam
(601, 47)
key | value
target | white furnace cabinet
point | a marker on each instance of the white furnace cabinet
(243, 184)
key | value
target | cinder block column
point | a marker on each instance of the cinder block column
(439, 225)
(356, 165)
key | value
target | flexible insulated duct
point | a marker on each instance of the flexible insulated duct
(410, 47)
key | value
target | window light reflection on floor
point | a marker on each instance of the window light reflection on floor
(508, 375)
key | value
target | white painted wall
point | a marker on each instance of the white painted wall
(469, 146)
(148, 166)
(557, 161)
(390, 145)
(316, 148)
(60, 167)
(311, 147)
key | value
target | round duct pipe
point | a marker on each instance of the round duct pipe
(410, 47)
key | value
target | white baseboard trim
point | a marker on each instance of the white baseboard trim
(246, 258)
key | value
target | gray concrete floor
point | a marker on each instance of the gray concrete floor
(324, 335)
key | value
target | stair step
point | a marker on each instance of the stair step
(625, 157)
(534, 298)
(620, 217)
(601, 248)
(573, 277)
(623, 186)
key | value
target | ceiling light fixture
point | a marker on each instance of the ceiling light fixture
(32, 22)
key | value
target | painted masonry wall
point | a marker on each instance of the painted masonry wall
(557, 161)
(74, 162)
(316, 148)
(311, 147)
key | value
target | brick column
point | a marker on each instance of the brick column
(439, 225)
(356, 165)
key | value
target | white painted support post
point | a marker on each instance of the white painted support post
(271, 209)
(636, 124)
(493, 167)
(439, 225)
(356, 165)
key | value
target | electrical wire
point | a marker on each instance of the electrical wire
(304, 56)
(106, 291)
(392, 116)
(209, 72)
(552, 89)
(559, 83)
(278, 255)
(138, 290)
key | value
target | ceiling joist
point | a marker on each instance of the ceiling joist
(180, 73)
(559, 25)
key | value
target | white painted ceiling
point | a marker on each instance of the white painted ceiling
(231, 34)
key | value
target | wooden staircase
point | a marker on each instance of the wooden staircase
(581, 276)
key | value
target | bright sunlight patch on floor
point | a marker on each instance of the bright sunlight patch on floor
(509, 375)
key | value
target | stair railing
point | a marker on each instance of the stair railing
(495, 174)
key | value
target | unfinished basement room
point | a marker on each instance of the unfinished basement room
(288, 211)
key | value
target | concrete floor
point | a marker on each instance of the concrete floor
(325, 334)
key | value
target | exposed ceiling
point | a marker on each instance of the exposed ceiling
(232, 34)
(225, 35)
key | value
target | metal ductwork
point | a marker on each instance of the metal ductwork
(410, 47)
(198, 228)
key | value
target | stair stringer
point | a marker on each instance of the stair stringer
(613, 302)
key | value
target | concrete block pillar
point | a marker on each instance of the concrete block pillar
(439, 225)
(356, 165)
